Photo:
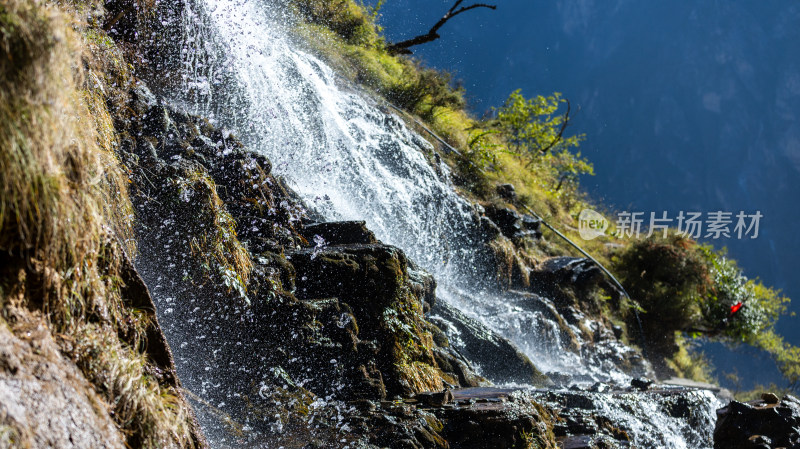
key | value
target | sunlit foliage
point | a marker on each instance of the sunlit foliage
(689, 288)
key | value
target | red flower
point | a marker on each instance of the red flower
(735, 308)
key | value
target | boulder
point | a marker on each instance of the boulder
(499, 358)
(756, 424)
(338, 233)
(507, 192)
(575, 271)
(512, 224)
(374, 281)
(506, 219)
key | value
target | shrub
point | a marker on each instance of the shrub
(422, 90)
(666, 277)
(689, 289)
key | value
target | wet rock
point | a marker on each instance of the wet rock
(577, 272)
(591, 442)
(531, 226)
(423, 285)
(511, 267)
(770, 398)
(507, 192)
(758, 423)
(495, 418)
(506, 219)
(498, 357)
(435, 399)
(513, 225)
(599, 387)
(641, 383)
(374, 281)
(451, 361)
(577, 442)
(489, 230)
(339, 233)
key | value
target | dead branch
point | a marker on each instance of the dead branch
(560, 131)
(433, 34)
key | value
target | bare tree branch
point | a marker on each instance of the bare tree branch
(432, 34)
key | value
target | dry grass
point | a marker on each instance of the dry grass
(151, 415)
(63, 207)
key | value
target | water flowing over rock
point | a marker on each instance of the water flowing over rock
(283, 336)
(310, 323)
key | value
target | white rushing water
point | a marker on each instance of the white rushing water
(350, 159)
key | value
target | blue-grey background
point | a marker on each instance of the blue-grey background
(686, 104)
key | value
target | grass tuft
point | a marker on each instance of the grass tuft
(63, 208)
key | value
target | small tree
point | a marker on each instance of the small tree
(690, 289)
(535, 131)
(532, 126)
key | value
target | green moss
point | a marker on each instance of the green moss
(217, 247)
(349, 20)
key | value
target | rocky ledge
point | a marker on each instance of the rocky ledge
(766, 423)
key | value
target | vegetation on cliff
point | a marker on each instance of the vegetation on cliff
(685, 289)
(65, 228)
(283, 323)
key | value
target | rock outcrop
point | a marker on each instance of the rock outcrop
(46, 400)
(322, 314)
(83, 362)
(765, 423)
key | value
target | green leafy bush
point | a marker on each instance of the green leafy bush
(535, 131)
(686, 288)
(423, 90)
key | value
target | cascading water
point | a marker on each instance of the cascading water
(351, 160)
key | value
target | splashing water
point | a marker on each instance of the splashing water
(350, 159)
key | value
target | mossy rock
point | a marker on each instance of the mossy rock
(373, 280)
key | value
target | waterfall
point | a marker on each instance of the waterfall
(350, 158)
